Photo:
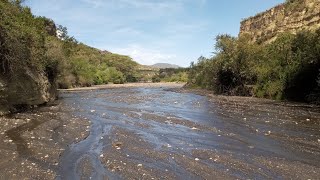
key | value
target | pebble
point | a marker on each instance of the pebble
(268, 133)
(93, 111)
(139, 165)
(307, 120)
(101, 155)
(194, 128)
(197, 159)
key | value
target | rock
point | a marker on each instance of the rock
(267, 133)
(267, 25)
(25, 88)
(196, 159)
(117, 144)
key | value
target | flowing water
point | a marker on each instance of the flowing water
(156, 133)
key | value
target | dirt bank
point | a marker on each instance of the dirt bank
(127, 85)
(31, 143)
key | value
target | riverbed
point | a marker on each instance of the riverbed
(161, 132)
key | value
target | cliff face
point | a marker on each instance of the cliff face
(288, 17)
(25, 89)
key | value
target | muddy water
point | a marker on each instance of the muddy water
(155, 133)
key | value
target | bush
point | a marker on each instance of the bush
(287, 68)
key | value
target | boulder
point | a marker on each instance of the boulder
(24, 89)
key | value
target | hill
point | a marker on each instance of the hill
(165, 65)
(35, 60)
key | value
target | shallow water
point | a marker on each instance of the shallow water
(171, 135)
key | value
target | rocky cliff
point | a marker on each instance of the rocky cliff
(292, 16)
(25, 89)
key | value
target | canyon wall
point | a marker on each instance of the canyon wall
(290, 17)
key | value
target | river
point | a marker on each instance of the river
(161, 133)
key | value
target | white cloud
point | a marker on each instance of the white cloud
(145, 56)
(94, 3)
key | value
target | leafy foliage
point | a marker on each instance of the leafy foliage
(171, 75)
(288, 68)
(37, 43)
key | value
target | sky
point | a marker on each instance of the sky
(151, 31)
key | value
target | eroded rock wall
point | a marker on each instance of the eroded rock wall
(294, 17)
(26, 88)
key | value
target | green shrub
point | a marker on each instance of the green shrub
(287, 68)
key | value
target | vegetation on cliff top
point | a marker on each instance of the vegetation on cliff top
(27, 41)
(288, 68)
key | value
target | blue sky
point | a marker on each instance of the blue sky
(151, 31)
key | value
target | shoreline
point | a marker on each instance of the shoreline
(126, 85)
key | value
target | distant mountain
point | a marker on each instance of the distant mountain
(165, 65)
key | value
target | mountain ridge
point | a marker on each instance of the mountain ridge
(165, 65)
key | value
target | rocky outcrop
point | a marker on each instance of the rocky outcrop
(24, 89)
(290, 17)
